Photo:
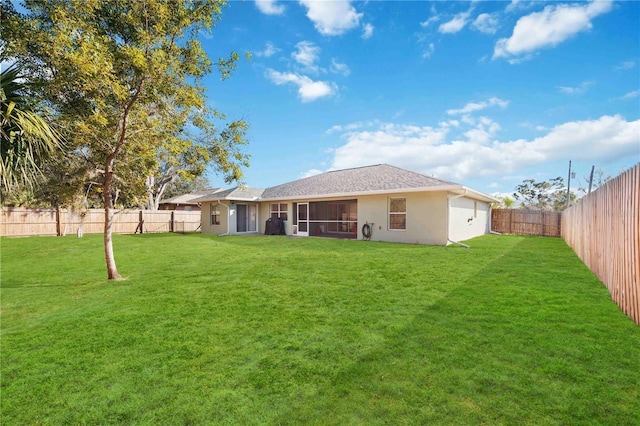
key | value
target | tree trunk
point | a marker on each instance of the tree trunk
(112, 270)
(155, 190)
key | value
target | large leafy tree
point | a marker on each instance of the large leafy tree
(27, 139)
(186, 162)
(180, 186)
(124, 76)
(543, 195)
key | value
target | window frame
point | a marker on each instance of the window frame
(391, 214)
(215, 213)
(279, 212)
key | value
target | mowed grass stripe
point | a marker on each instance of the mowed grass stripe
(275, 330)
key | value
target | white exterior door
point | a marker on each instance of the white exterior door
(303, 219)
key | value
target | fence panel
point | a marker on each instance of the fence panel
(526, 222)
(604, 231)
(186, 221)
(20, 222)
(157, 221)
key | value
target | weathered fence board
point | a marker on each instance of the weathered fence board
(20, 222)
(604, 231)
(526, 222)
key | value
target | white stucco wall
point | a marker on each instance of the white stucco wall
(468, 218)
(207, 227)
(426, 218)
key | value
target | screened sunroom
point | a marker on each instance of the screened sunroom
(332, 219)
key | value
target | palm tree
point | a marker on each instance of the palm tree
(26, 138)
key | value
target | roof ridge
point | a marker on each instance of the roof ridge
(422, 174)
(354, 168)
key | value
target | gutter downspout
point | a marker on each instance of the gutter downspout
(448, 212)
(228, 219)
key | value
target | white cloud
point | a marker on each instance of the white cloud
(338, 68)
(270, 7)
(625, 65)
(513, 5)
(518, 5)
(308, 90)
(433, 18)
(576, 90)
(632, 95)
(486, 23)
(269, 50)
(483, 131)
(456, 24)
(553, 25)
(390, 143)
(367, 31)
(332, 17)
(430, 21)
(311, 172)
(307, 54)
(478, 106)
(352, 126)
(602, 139)
(428, 51)
(429, 150)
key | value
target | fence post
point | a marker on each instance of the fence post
(141, 222)
(173, 221)
(559, 227)
(58, 227)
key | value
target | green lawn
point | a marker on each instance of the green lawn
(274, 330)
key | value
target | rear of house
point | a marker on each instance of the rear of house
(380, 203)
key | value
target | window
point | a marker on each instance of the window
(215, 214)
(398, 213)
(279, 210)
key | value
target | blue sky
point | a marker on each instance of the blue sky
(484, 93)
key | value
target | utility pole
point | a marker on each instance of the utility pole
(568, 185)
(591, 179)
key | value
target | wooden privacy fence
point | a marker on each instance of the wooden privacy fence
(526, 222)
(604, 231)
(20, 222)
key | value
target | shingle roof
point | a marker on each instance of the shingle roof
(381, 177)
(190, 197)
(237, 193)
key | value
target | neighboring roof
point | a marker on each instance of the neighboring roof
(378, 179)
(240, 193)
(189, 199)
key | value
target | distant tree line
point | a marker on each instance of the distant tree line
(552, 194)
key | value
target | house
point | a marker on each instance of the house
(380, 203)
(185, 201)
